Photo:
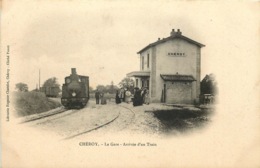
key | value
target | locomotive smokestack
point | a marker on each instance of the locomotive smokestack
(73, 71)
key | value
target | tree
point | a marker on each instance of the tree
(111, 88)
(115, 89)
(107, 88)
(209, 85)
(51, 82)
(22, 87)
(101, 88)
(127, 83)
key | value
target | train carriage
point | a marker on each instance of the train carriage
(51, 91)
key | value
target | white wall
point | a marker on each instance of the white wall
(184, 65)
(144, 54)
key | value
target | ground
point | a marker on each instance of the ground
(152, 120)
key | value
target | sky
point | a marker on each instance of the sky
(101, 39)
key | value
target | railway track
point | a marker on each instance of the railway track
(43, 115)
(103, 123)
(132, 117)
(121, 117)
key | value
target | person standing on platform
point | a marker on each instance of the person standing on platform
(97, 95)
(117, 97)
(121, 94)
(143, 93)
(146, 97)
(102, 98)
(137, 101)
(127, 96)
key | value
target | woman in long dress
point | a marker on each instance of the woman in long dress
(146, 97)
(103, 99)
(117, 98)
(127, 96)
(138, 101)
(121, 94)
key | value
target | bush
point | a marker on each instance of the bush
(27, 103)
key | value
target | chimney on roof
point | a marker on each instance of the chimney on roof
(159, 39)
(178, 32)
(173, 32)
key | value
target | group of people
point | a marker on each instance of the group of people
(100, 97)
(123, 95)
(141, 96)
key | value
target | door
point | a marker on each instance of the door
(178, 93)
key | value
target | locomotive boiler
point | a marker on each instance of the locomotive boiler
(75, 90)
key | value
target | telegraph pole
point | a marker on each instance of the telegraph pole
(39, 79)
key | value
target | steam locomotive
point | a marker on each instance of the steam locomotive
(75, 90)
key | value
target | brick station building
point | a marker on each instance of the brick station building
(170, 69)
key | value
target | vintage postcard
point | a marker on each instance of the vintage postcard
(130, 83)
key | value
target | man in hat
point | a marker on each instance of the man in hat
(97, 95)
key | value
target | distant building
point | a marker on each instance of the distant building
(170, 69)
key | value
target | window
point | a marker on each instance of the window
(136, 82)
(177, 54)
(142, 63)
(148, 60)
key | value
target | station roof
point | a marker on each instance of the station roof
(174, 35)
(177, 77)
(138, 74)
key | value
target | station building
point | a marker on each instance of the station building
(170, 68)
